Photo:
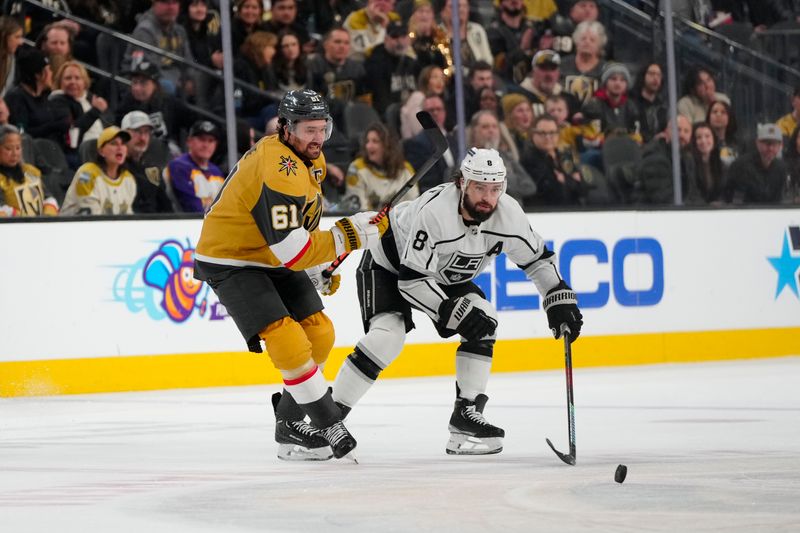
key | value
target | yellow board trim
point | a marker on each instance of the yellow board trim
(137, 373)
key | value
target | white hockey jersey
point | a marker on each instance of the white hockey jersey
(433, 243)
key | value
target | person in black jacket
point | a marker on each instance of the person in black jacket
(30, 110)
(391, 72)
(760, 177)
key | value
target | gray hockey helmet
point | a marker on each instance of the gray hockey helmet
(304, 104)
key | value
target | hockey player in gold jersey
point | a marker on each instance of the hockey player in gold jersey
(258, 237)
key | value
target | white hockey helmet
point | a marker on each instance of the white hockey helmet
(484, 165)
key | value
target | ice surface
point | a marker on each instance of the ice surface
(709, 447)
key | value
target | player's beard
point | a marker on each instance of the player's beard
(476, 214)
(312, 150)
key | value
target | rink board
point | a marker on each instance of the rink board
(82, 304)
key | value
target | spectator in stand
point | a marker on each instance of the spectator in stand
(203, 32)
(563, 27)
(568, 134)
(699, 90)
(324, 15)
(55, 42)
(653, 181)
(488, 100)
(10, 41)
(418, 148)
(168, 115)
(518, 119)
(22, 191)
(543, 82)
(31, 111)
(195, 179)
(723, 123)
(283, 17)
(431, 81)
(706, 176)
(289, 64)
(646, 95)
(248, 16)
(540, 10)
(556, 186)
(104, 187)
(610, 110)
(391, 71)
(788, 122)
(426, 35)
(793, 164)
(485, 131)
(760, 13)
(335, 75)
(147, 158)
(761, 176)
(378, 171)
(480, 76)
(474, 42)
(85, 109)
(159, 27)
(254, 66)
(367, 26)
(582, 71)
(510, 34)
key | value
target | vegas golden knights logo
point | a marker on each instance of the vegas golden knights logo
(581, 87)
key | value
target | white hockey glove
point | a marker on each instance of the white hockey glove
(357, 231)
(463, 316)
(325, 286)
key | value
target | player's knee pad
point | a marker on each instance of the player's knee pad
(385, 338)
(287, 344)
(482, 349)
(319, 331)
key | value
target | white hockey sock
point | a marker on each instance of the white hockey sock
(350, 384)
(308, 387)
(472, 374)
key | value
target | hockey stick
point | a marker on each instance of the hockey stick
(570, 458)
(439, 142)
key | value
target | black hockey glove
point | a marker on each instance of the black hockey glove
(561, 307)
(465, 318)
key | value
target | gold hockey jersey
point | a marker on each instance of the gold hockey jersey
(28, 198)
(92, 192)
(268, 211)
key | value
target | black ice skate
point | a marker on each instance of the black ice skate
(470, 433)
(298, 440)
(341, 441)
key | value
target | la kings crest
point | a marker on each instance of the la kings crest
(462, 267)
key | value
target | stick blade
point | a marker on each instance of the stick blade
(569, 459)
(432, 131)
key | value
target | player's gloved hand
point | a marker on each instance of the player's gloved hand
(325, 286)
(462, 315)
(358, 231)
(561, 306)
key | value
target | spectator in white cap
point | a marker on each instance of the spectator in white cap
(760, 177)
(147, 158)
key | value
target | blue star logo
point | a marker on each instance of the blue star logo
(787, 265)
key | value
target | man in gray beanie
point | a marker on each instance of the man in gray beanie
(610, 111)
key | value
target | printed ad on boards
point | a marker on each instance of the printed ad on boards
(99, 289)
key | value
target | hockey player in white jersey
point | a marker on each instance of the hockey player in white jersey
(435, 246)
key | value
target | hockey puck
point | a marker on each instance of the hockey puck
(619, 475)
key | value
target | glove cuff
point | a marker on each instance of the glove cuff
(350, 234)
(560, 295)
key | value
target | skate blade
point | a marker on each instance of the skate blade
(352, 457)
(460, 444)
(295, 452)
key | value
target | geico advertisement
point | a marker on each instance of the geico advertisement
(97, 289)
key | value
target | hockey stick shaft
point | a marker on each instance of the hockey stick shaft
(571, 457)
(437, 138)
